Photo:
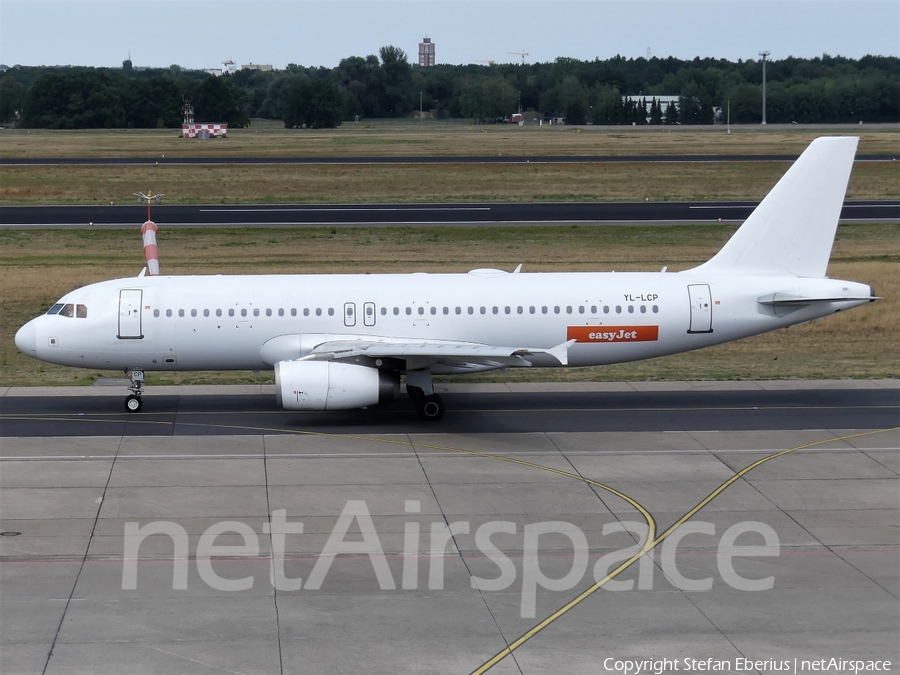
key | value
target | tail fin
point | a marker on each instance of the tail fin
(792, 230)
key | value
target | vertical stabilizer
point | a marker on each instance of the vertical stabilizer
(792, 230)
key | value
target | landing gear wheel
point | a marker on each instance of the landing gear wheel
(133, 404)
(430, 408)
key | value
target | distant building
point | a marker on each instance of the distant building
(265, 67)
(648, 100)
(426, 52)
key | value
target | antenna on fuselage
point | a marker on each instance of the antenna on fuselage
(148, 233)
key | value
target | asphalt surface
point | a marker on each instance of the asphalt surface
(413, 159)
(467, 413)
(14, 217)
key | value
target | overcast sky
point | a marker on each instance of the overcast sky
(203, 33)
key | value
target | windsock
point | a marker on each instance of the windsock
(148, 232)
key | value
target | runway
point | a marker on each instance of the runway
(688, 521)
(411, 159)
(293, 215)
(467, 413)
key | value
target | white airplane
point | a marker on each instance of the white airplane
(343, 341)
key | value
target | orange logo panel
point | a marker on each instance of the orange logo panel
(613, 333)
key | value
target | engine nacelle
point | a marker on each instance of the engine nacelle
(328, 385)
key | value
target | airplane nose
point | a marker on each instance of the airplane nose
(26, 339)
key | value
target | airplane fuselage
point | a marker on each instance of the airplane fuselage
(169, 323)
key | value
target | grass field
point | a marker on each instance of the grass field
(358, 183)
(37, 267)
(404, 138)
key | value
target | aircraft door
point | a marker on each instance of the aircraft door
(349, 314)
(701, 308)
(130, 314)
(369, 314)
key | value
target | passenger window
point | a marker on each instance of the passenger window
(256, 311)
(231, 312)
(568, 309)
(519, 309)
(193, 312)
(81, 311)
(471, 310)
(169, 312)
(446, 310)
(593, 309)
(556, 309)
(434, 310)
(643, 309)
(67, 311)
(180, 312)
(459, 310)
(655, 309)
(618, 309)
(531, 310)
(396, 311)
(544, 309)
(205, 312)
(495, 310)
(218, 312)
(318, 311)
(631, 309)
(331, 311)
(483, 310)
(55, 309)
(383, 311)
(421, 311)
(581, 309)
(408, 311)
(507, 310)
(606, 309)
(156, 312)
(281, 311)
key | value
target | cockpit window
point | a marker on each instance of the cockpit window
(81, 311)
(55, 309)
(67, 310)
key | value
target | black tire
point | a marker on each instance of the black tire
(134, 404)
(430, 408)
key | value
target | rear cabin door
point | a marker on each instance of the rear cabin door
(130, 314)
(701, 308)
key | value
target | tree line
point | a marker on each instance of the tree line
(612, 91)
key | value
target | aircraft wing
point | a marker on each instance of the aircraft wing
(426, 352)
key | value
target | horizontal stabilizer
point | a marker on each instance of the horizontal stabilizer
(776, 299)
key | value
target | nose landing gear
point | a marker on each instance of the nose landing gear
(134, 402)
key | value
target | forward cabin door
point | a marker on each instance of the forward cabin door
(701, 308)
(130, 314)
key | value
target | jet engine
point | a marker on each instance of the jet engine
(329, 385)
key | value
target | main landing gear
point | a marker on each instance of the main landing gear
(429, 406)
(134, 402)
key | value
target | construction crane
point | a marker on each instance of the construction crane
(523, 54)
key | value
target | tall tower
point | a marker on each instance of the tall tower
(426, 52)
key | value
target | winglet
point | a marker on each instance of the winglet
(561, 352)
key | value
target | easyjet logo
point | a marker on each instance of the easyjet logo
(613, 333)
